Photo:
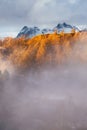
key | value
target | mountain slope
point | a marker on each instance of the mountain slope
(45, 49)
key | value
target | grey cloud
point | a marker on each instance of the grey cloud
(42, 12)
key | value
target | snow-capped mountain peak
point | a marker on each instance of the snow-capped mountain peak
(65, 27)
(24, 29)
(33, 31)
(28, 31)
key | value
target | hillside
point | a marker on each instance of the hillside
(44, 50)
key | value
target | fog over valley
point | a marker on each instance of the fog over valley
(43, 82)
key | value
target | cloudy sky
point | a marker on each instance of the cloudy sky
(14, 14)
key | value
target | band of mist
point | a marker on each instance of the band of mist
(43, 82)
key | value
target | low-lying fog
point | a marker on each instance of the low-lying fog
(50, 99)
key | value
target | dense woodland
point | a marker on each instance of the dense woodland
(46, 49)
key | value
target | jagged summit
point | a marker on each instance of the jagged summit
(33, 31)
(25, 28)
(28, 31)
(67, 28)
(62, 25)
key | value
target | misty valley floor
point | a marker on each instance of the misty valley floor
(43, 82)
(51, 99)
